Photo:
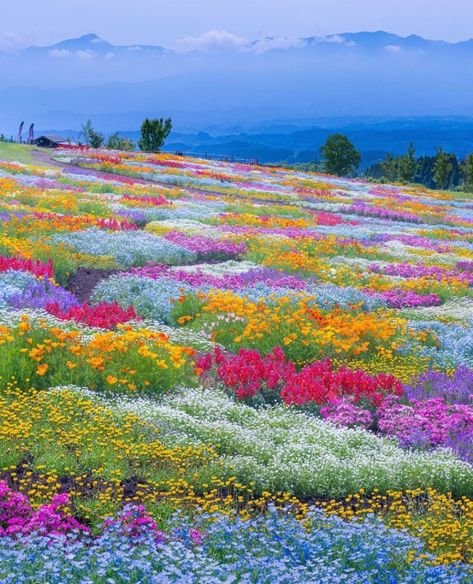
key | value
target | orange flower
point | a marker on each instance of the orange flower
(41, 370)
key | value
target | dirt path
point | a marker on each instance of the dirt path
(42, 156)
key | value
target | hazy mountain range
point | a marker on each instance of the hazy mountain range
(227, 85)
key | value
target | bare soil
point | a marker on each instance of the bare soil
(82, 283)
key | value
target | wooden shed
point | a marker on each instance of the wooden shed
(51, 141)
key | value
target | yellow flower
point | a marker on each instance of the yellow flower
(111, 379)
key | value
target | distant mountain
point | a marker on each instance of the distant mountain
(237, 84)
(93, 45)
(384, 41)
(87, 59)
(373, 137)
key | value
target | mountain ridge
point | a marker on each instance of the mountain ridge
(362, 39)
(365, 73)
(91, 42)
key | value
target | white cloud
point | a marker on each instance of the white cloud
(397, 50)
(60, 53)
(393, 48)
(272, 43)
(109, 56)
(64, 54)
(334, 38)
(213, 41)
(10, 41)
(218, 41)
(88, 54)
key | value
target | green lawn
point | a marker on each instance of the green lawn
(16, 152)
(25, 153)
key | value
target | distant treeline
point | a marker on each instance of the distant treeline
(442, 171)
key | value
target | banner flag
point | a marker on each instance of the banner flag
(20, 131)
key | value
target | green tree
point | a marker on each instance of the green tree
(116, 142)
(442, 169)
(424, 174)
(390, 168)
(468, 173)
(407, 164)
(340, 155)
(154, 133)
(91, 137)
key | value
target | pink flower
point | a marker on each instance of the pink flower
(18, 517)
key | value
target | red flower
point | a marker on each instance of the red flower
(248, 373)
(103, 315)
(34, 266)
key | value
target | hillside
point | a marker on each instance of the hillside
(189, 347)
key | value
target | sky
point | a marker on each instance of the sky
(172, 23)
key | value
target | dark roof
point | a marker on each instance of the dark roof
(53, 137)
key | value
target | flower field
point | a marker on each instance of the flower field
(215, 372)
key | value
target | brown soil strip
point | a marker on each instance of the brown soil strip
(84, 281)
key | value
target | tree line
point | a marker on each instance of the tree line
(152, 136)
(442, 171)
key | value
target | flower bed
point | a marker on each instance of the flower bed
(256, 360)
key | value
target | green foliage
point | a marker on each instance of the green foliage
(154, 133)
(92, 138)
(390, 168)
(442, 169)
(468, 173)
(407, 165)
(191, 305)
(116, 142)
(340, 155)
(399, 168)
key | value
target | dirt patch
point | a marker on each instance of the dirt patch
(84, 281)
(43, 158)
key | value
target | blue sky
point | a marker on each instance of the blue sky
(25, 22)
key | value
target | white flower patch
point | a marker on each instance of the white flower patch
(279, 448)
(457, 308)
(129, 248)
(221, 269)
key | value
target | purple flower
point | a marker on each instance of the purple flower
(366, 210)
(344, 412)
(41, 293)
(429, 423)
(397, 298)
(205, 245)
(454, 389)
